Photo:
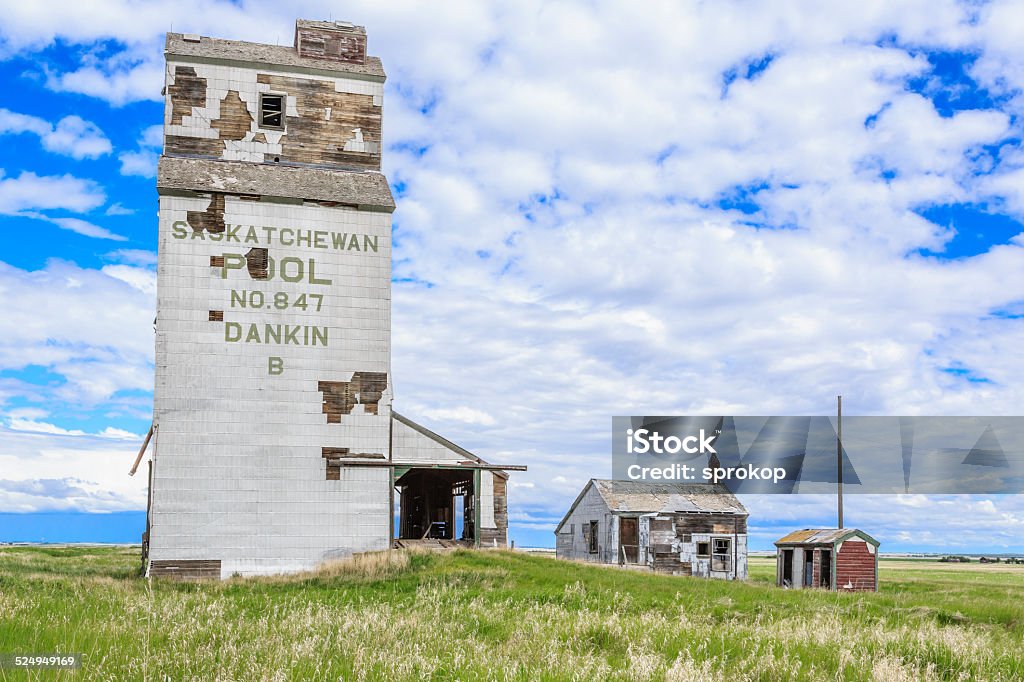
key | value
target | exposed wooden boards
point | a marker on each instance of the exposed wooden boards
(216, 316)
(340, 397)
(669, 562)
(497, 536)
(661, 525)
(212, 219)
(328, 42)
(187, 91)
(235, 121)
(710, 523)
(257, 262)
(185, 569)
(345, 453)
(192, 146)
(311, 137)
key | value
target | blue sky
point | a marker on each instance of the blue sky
(742, 208)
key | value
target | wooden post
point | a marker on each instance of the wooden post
(839, 459)
(142, 451)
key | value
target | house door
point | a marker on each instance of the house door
(629, 540)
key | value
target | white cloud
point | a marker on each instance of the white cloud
(33, 426)
(82, 227)
(13, 123)
(133, 257)
(117, 209)
(29, 191)
(462, 413)
(143, 160)
(565, 210)
(72, 136)
(101, 341)
(116, 84)
(54, 471)
(140, 279)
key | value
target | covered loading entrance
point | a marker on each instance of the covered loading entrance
(438, 503)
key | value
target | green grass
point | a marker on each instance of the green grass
(501, 615)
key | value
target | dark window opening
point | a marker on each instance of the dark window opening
(721, 554)
(592, 540)
(704, 549)
(271, 110)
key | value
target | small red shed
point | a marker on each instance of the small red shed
(838, 559)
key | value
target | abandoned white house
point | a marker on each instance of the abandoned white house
(837, 559)
(275, 446)
(679, 528)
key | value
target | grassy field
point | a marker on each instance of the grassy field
(500, 615)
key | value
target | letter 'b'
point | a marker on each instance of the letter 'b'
(275, 366)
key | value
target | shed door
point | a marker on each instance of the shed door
(629, 539)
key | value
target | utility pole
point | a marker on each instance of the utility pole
(839, 458)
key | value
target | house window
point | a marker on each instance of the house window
(704, 549)
(592, 540)
(271, 110)
(721, 554)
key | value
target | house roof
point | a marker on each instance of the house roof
(643, 497)
(823, 536)
(458, 449)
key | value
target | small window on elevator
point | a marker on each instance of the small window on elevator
(271, 110)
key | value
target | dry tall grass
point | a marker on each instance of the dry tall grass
(369, 565)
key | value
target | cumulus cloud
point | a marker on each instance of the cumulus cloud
(29, 191)
(60, 472)
(101, 342)
(71, 136)
(142, 161)
(723, 216)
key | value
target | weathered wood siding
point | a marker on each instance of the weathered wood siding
(497, 536)
(185, 570)
(856, 567)
(331, 44)
(571, 541)
(212, 111)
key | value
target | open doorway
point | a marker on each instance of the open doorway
(787, 568)
(826, 569)
(436, 506)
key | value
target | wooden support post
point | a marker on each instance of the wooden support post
(142, 451)
(839, 457)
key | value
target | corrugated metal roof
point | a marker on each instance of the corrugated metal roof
(647, 497)
(821, 536)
